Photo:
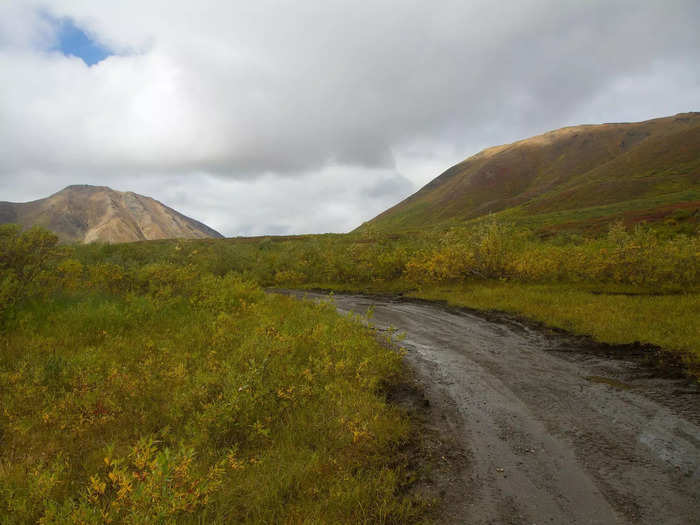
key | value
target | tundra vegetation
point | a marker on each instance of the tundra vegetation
(624, 284)
(156, 381)
(140, 391)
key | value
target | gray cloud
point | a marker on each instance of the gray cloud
(345, 106)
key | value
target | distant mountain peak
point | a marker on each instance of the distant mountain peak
(86, 213)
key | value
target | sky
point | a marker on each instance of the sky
(278, 117)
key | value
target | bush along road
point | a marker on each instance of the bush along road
(551, 428)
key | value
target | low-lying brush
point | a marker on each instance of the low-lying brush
(157, 382)
(161, 394)
(643, 258)
(464, 262)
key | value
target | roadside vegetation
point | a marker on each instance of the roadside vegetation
(157, 382)
(630, 283)
(134, 391)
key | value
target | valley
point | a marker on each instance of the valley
(518, 343)
(349, 263)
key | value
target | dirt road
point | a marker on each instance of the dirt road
(552, 429)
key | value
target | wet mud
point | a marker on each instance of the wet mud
(536, 426)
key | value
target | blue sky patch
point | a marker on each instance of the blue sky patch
(73, 41)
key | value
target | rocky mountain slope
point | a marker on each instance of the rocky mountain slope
(580, 174)
(84, 213)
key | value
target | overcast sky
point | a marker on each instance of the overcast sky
(313, 116)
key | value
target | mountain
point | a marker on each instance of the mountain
(84, 213)
(577, 177)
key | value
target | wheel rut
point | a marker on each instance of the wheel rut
(552, 429)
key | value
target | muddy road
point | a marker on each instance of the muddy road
(545, 427)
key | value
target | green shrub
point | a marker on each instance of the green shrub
(210, 402)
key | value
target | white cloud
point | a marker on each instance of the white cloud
(212, 99)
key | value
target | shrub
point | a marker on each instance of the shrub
(214, 402)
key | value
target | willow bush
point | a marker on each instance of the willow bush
(153, 392)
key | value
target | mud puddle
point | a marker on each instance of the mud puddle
(544, 427)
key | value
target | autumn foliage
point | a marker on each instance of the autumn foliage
(157, 382)
(156, 392)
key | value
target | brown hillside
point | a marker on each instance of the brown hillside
(570, 168)
(85, 213)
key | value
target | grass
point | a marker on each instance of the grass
(669, 321)
(579, 218)
(609, 314)
(569, 281)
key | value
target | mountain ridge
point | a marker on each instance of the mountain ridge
(86, 213)
(570, 168)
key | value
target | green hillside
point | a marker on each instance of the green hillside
(579, 178)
